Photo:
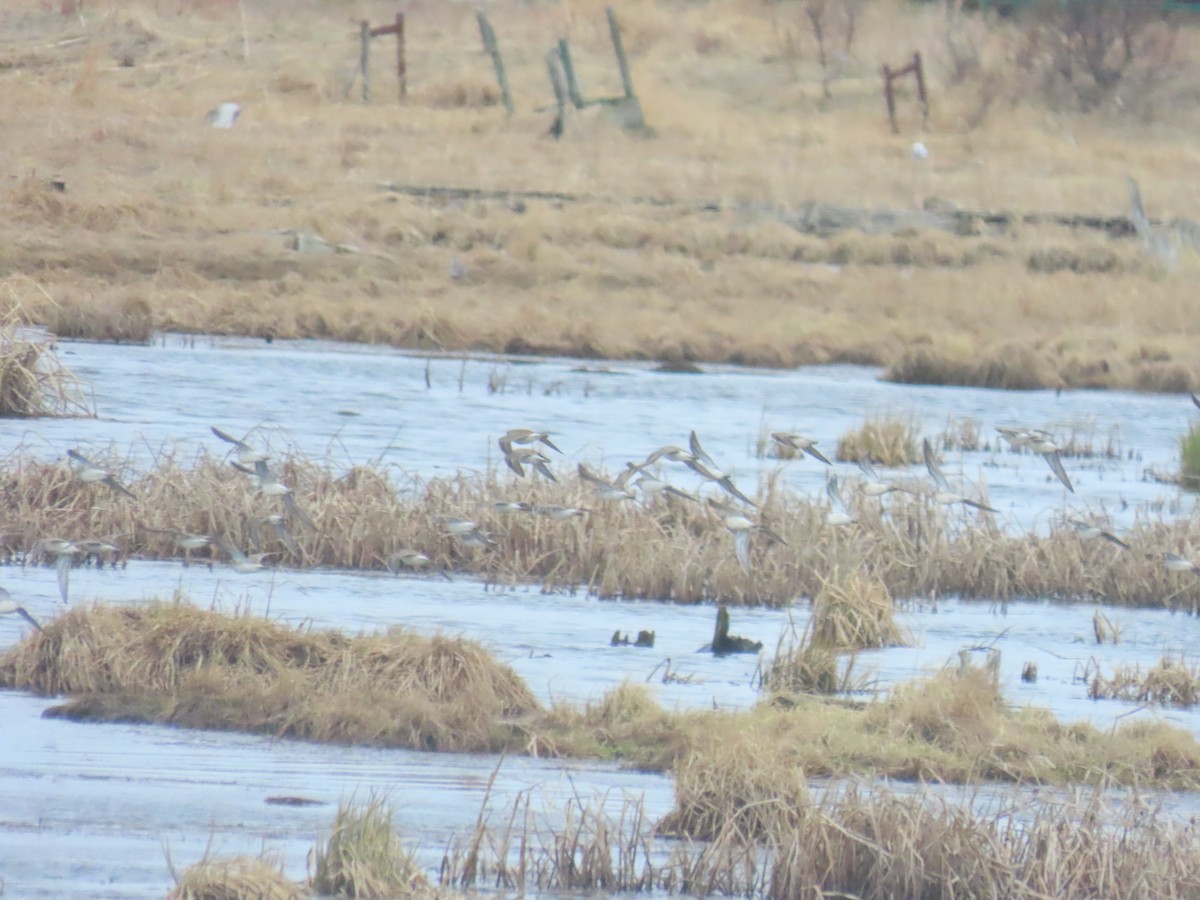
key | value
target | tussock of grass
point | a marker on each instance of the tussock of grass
(741, 783)
(855, 612)
(178, 664)
(626, 723)
(364, 857)
(1013, 367)
(1173, 682)
(886, 440)
(236, 878)
(33, 382)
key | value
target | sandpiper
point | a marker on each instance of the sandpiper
(615, 490)
(871, 484)
(1176, 563)
(738, 524)
(942, 492)
(239, 561)
(185, 541)
(1041, 443)
(90, 473)
(1089, 532)
(270, 486)
(653, 487)
(798, 442)
(525, 436)
(63, 553)
(516, 458)
(246, 454)
(9, 606)
(838, 514)
(410, 559)
(560, 512)
(279, 528)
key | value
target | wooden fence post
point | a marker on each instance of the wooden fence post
(889, 95)
(919, 71)
(364, 60)
(553, 61)
(401, 63)
(622, 62)
(488, 36)
(568, 67)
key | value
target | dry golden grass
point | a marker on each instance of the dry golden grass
(667, 550)
(167, 223)
(1173, 682)
(886, 440)
(853, 840)
(364, 857)
(235, 878)
(171, 662)
(855, 612)
(174, 664)
(32, 380)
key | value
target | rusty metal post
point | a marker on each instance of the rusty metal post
(890, 96)
(401, 64)
(364, 60)
(919, 71)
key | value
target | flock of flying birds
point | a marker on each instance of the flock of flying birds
(524, 452)
(248, 460)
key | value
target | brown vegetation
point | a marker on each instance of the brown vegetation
(235, 878)
(851, 840)
(171, 662)
(32, 381)
(364, 857)
(175, 664)
(710, 240)
(667, 549)
(1173, 682)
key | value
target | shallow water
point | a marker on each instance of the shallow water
(94, 811)
(89, 805)
(355, 404)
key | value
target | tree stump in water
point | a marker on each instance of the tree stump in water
(723, 642)
(643, 639)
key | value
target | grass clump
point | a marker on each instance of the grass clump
(33, 383)
(887, 440)
(364, 856)
(235, 878)
(855, 612)
(1189, 459)
(1173, 682)
(751, 785)
(173, 663)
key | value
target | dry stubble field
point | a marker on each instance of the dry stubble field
(167, 223)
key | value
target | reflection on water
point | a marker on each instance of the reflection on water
(89, 805)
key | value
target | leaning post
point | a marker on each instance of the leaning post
(619, 49)
(364, 59)
(488, 36)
